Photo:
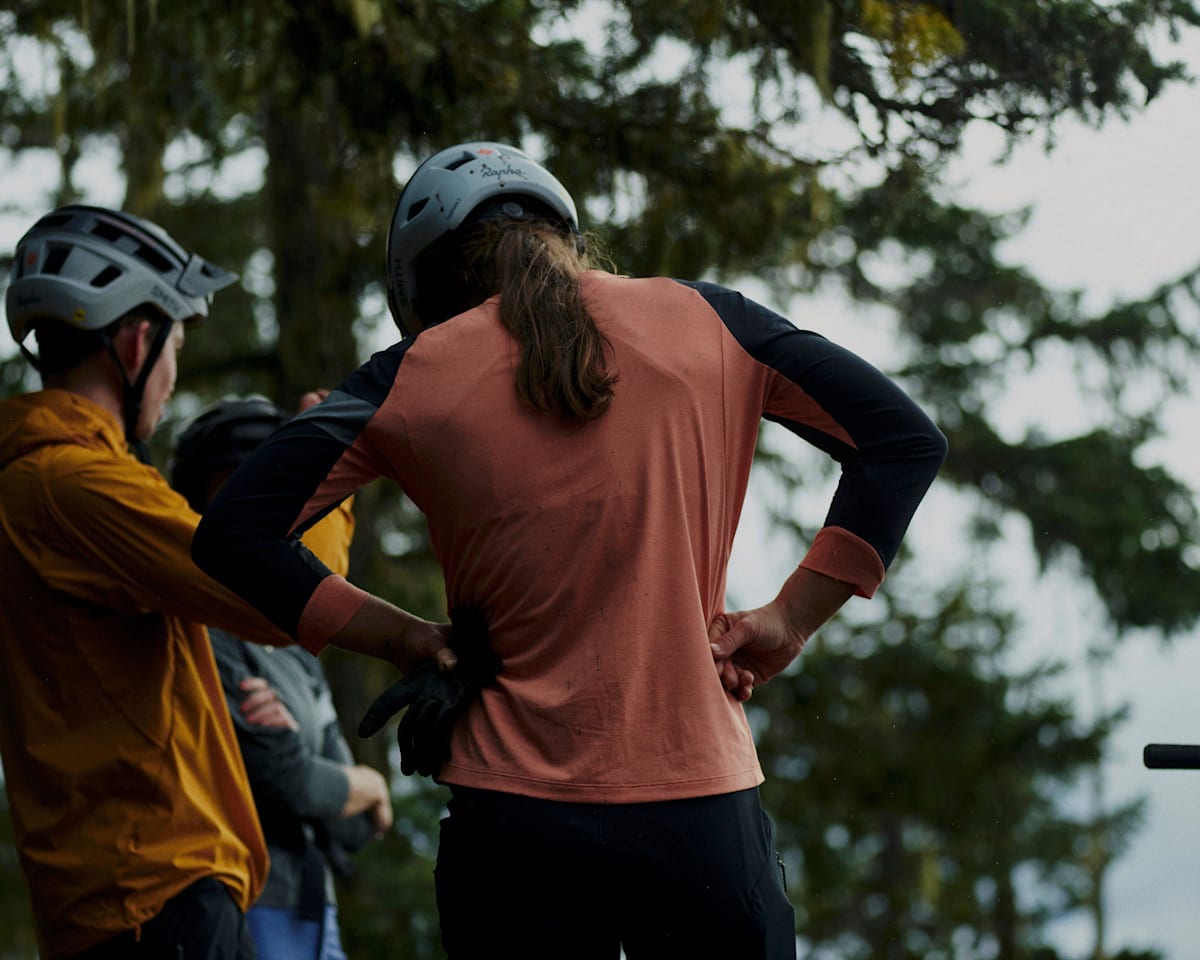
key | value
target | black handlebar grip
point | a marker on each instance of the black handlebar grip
(1171, 756)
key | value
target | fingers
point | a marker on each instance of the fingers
(737, 680)
(445, 659)
(719, 627)
(386, 705)
(274, 714)
(262, 707)
(257, 700)
(381, 816)
(312, 398)
(728, 633)
(258, 693)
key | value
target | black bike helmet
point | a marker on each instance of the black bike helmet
(218, 439)
(444, 193)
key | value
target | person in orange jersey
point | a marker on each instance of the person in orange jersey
(580, 444)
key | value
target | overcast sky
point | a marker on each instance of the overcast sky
(1116, 213)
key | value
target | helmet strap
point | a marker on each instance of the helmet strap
(131, 406)
(34, 360)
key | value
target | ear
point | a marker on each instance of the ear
(132, 344)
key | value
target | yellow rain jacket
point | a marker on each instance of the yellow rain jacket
(120, 760)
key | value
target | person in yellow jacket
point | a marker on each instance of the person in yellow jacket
(133, 815)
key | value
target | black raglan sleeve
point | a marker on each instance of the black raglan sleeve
(249, 537)
(888, 447)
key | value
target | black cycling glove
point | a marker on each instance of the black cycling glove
(436, 700)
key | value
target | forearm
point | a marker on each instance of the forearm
(246, 539)
(382, 630)
(808, 599)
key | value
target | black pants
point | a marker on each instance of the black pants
(524, 878)
(201, 923)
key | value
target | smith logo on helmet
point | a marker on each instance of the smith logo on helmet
(161, 295)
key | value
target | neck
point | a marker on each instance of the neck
(94, 384)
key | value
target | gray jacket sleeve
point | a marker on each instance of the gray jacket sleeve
(286, 774)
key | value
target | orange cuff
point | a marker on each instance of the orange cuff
(838, 553)
(329, 609)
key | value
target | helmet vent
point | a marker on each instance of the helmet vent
(114, 233)
(417, 207)
(55, 259)
(108, 231)
(154, 258)
(106, 276)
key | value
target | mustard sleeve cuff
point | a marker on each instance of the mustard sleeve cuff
(838, 553)
(329, 609)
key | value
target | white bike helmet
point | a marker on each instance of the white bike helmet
(88, 266)
(446, 190)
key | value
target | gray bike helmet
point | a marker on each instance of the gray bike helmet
(219, 438)
(446, 190)
(88, 266)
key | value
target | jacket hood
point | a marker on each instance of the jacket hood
(51, 417)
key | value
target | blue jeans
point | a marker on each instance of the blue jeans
(280, 934)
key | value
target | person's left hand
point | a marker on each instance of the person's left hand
(751, 646)
(426, 642)
(262, 706)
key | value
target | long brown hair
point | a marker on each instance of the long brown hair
(566, 365)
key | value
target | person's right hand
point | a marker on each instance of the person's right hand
(368, 794)
(262, 706)
(311, 399)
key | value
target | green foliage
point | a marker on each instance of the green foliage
(918, 786)
(388, 907)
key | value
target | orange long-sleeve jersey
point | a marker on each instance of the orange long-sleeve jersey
(597, 550)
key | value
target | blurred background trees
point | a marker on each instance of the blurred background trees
(797, 145)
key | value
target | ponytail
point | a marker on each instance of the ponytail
(565, 363)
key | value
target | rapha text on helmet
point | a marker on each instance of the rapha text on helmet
(442, 194)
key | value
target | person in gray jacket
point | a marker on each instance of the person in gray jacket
(316, 805)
